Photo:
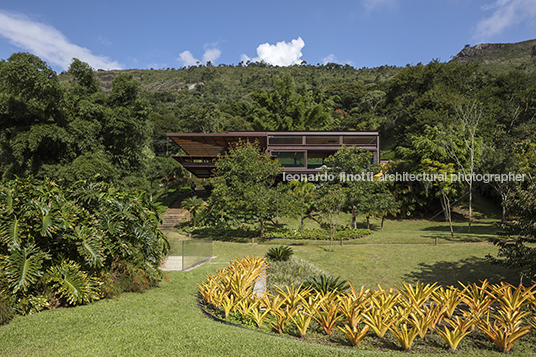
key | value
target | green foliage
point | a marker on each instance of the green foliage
(194, 205)
(518, 251)
(326, 284)
(64, 244)
(284, 109)
(73, 284)
(6, 313)
(69, 131)
(281, 253)
(318, 234)
(245, 182)
(295, 271)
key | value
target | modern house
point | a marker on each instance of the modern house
(299, 152)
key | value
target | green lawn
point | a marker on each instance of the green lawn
(166, 321)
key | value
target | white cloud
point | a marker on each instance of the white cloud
(506, 13)
(371, 4)
(244, 58)
(188, 59)
(281, 54)
(211, 54)
(48, 43)
(329, 59)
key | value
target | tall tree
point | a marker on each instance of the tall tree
(353, 172)
(245, 178)
(284, 108)
(468, 118)
(304, 193)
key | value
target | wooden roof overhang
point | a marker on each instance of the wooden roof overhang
(212, 145)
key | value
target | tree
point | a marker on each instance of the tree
(32, 120)
(166, 171)
(500, 161)
(330, 201)
(194, 205)
(517, 250)
(303, 191)
(245, 179)
(353, 173)
(468, 118)
(440, 175)
(385, 204)
(285, 109)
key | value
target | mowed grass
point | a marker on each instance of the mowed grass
(166, 321)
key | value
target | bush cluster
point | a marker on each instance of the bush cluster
(65, 246)
(222, 231)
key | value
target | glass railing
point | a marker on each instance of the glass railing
(195, 252)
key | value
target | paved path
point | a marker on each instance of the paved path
(172, 263)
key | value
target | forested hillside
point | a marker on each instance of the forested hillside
(467, 118)
(113, 123)
(501, 57)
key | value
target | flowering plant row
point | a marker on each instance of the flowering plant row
(502, 312)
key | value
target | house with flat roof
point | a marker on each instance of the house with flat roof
(299, 152)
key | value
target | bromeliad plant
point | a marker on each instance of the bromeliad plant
(460, 327)
(500, 311)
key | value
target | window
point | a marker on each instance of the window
(322, 140)
(315, 159)
(290, 158)
(359, 140)
(285, 140)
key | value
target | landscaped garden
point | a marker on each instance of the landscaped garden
(168, 320)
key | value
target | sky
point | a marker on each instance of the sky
(173, 34)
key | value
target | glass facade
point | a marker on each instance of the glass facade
(322, 140)
(315, 159)
(359, 140)
(290, 158)
(285, 140)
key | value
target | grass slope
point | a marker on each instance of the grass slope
(166, 321)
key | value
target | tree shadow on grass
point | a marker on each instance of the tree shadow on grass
(468, 270)
(479, 233)
(456, 239)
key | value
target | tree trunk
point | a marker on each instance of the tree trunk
(368, 221)
(470, 203)
(504, 197)
(262, 226)
(331, 237)
(383, 219)
(354, 220)
(301, 224)
(446, 205)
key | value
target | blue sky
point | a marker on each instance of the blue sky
(162, 34)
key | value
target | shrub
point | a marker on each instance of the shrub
(318, 234)
(281, 253)
(293, 271)
(6, 313)
(326, 283)
(57, 242)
